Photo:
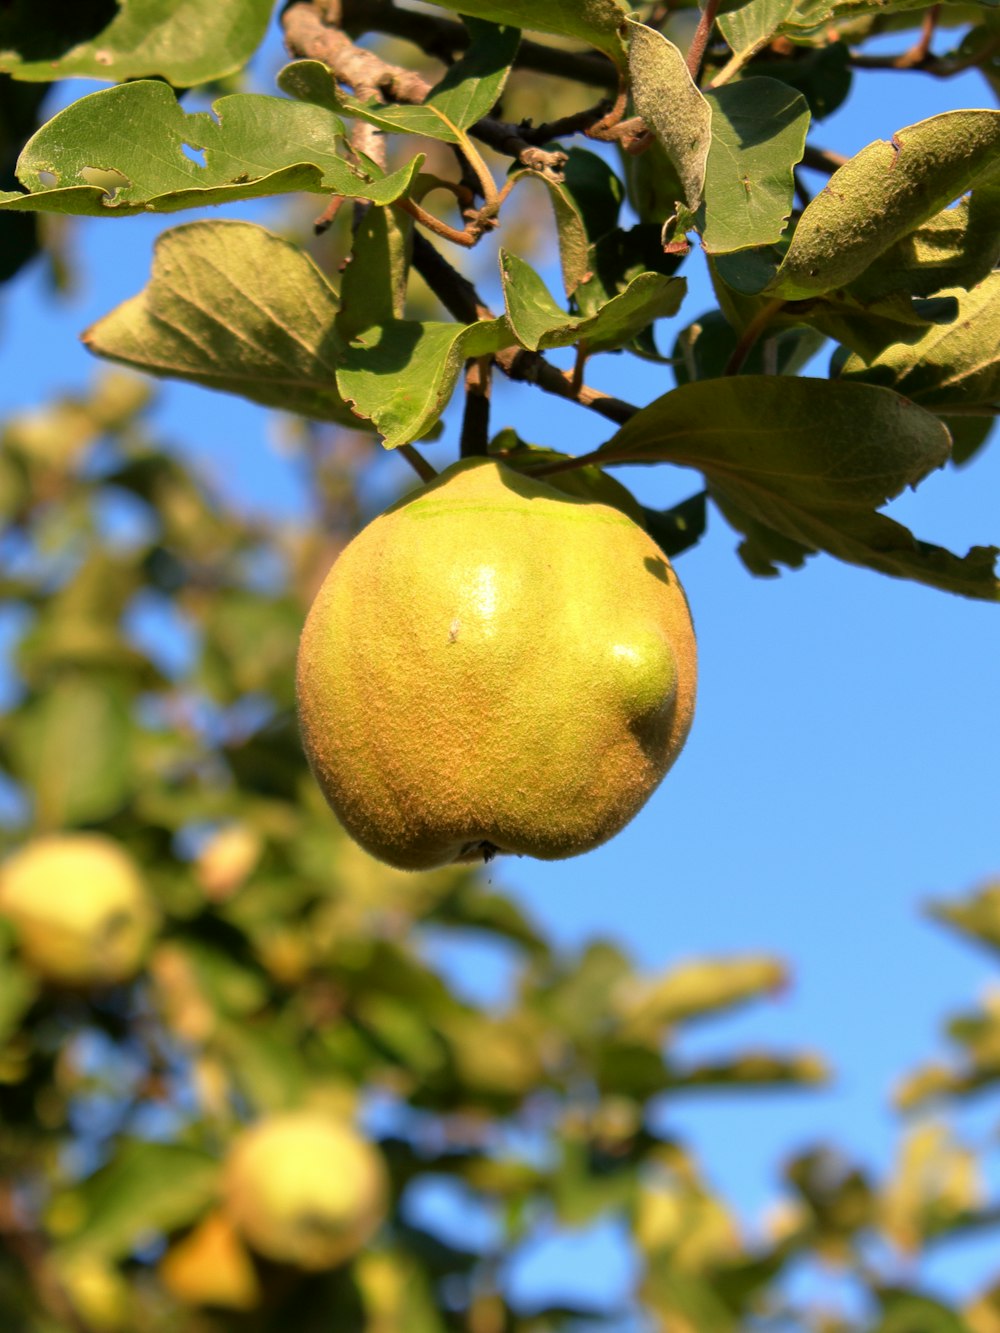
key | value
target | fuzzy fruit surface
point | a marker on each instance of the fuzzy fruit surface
(79, 907)
(494, 665)
(304, 1188)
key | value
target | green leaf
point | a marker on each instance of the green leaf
(120, 151)
(952, 365)
(401, 375)
(822, 74)
(755, 1069)
(695, 988)
(373, 288)
(808, 15)
(587, 483)
(809, 462)
(72, 748)
(472, 85)
(909, 1312)
(538, 322)
(883, 193)
(233, 307)
(265, 1062)
(977, 916)
(677, 529)
(958, 247)
(468, 91)
(18, 988)
(147, 1189)
(182, 41)
(586, 204)
(758, 135)
(749, 27)
(671, 105)
(596, 22)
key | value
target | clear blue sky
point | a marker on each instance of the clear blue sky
(843, 766)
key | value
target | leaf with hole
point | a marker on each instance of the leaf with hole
(122, 151)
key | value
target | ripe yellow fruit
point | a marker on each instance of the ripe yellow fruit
(79, 907)
(303, 1188)
(494, 665)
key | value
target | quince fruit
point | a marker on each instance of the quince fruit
(303, 1188)
(494, 665)
(79, 907)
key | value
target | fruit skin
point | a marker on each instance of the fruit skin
(493, 665)
(303, 1188)
(79, 907)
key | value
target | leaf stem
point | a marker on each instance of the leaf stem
(748, 338)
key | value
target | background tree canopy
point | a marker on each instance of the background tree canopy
(281, 969)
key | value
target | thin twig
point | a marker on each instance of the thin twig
(458, 296)
(823, 159)
(748, 338)
(941, 67)
(696, 51)
(921, 48)
(443, 38)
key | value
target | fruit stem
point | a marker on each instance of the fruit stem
(476, 419)
(420, 465)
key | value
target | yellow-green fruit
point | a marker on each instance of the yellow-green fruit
(493, 665)
(79, 908)
(304, 1188)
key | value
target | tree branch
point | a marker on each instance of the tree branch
(458, 296)
(316, 31)
(444, 38)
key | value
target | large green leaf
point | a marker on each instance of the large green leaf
(758, 134)
(596, 22)
(401, 375)
(958, 247)
(148, 1189)
(233, 307)
(467, 92)
(121, 151)
(673, 108)
(539, 322)
(883, 193)
(952, 365)
(802, 465)
(182, 41)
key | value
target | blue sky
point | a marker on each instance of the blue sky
(842, 770)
